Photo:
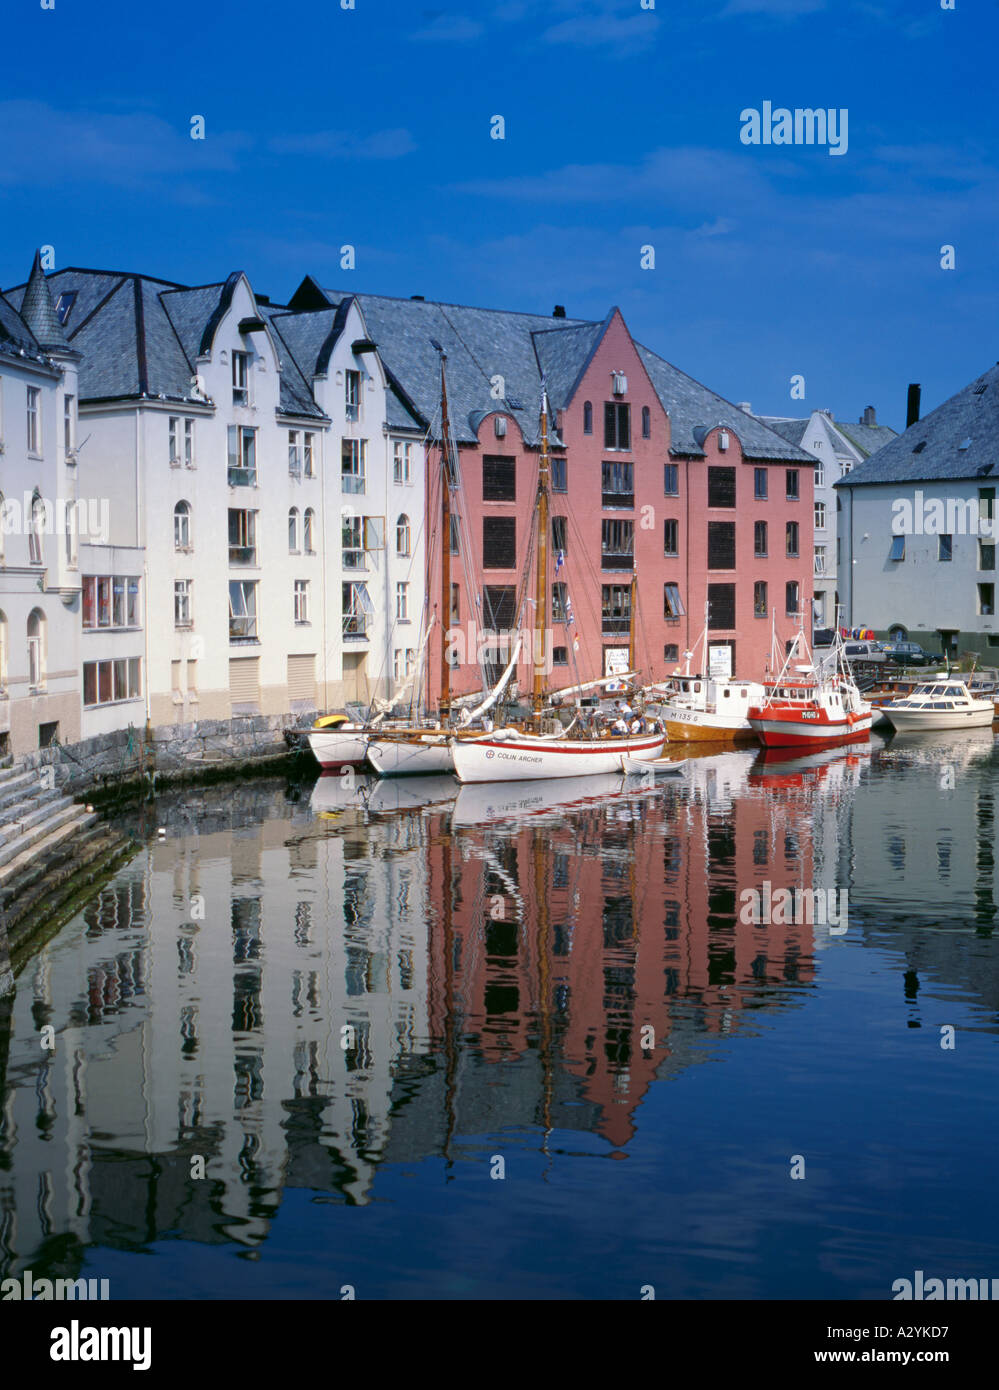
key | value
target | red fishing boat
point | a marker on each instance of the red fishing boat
(811, 705)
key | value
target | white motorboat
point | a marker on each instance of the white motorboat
(945, 702)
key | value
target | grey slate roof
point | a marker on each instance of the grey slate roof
(38, 310)
(791, 430)
(867, 438)
(14, 332)
(482, 343)
(141, 335)
(972, 414)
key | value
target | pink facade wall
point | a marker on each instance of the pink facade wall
(582, 505)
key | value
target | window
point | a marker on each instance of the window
(182, 526)
(671, 480)
(587, 417)
(897, 551)
(352, 543)
(617, 484)
(242, 537)
(721, 545)
(309, 542)
(173, 448)
(34, 420)
(760, 599)
(310, 454)
(402, 602)
(820, 559)
(671, 536)
(455, 603)
(945, 547)
(560, 596)
(104, 682)
(760, 484)
(499, 479)
(357, 607)
(240, 378)
(986, 555)
(617, 545)
(499, 542)
(455, 534)
(182, 603)
(242, 610)
(791, 479)
(721, 606)
(64, 306)
(132, 604)
(617, 425)
(560, 656)
(301, 600)
(760, 539)
(68, 421)
(791, 598)
(352, 465)
(820, 474)
(117, 601)
(986, 599)
(499, 607)
(560, 539)
(352, 394)
(820, 516)
(295, 453)
(39, 511)
(402, 535)
(671, 651)
(673, 608)
(242, 457)
(986, 503)
(615, 609)
(560, 474)
(646, 422)
(36, 649)
(721, 487)
(402, 462)
(293, 546)
(791, 539)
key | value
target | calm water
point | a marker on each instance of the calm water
(354, 1007)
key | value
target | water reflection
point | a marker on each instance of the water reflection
(299, 989)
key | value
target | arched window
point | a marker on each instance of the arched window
(587, 417)
(310, 531)
(402, 535)
(182, 526)
(36, 648)
(36, 530)
(3, 652)
(293, 529)
(646, 422)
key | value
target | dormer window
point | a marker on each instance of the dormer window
(352, 394)
(64, 306)
(241, 378)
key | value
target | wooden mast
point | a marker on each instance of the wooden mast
(632, 611)
(541, 584)
(445, 700)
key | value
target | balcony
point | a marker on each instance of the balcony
(242, 477)
(624, 501)
(242, 555)
(613, 627)
(617, 560)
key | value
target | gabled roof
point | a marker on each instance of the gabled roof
(931, 449)
(867, 438)
(142, 336)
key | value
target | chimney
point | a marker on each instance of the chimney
(869, 417)
(744, 406)
(558, 312)
(912, 405)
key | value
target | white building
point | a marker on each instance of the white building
(263, 492)
(39, 540)
(918, 524)
(838, 447)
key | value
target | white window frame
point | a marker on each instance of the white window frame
(402, 601)
(182, 605)
(240, 377)
(301, 601)
(33, 407)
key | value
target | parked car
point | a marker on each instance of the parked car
(911, 654)
(864, 651)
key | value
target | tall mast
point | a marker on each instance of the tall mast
(445, 700)
(541, 586)
(632, 609)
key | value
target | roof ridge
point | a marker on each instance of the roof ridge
(450, 304)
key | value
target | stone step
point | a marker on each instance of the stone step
(59, 872)
(22, 803)
(24, 784)
(18, 852)
(14, 820)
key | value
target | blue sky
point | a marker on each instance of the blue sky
(371, 126)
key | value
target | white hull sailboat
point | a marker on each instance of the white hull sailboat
(511, 756)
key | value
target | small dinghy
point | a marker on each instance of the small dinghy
(664, 767)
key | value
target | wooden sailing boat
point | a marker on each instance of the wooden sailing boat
(544, 748)
(421, 750)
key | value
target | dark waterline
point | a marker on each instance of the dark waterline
(563, 985)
